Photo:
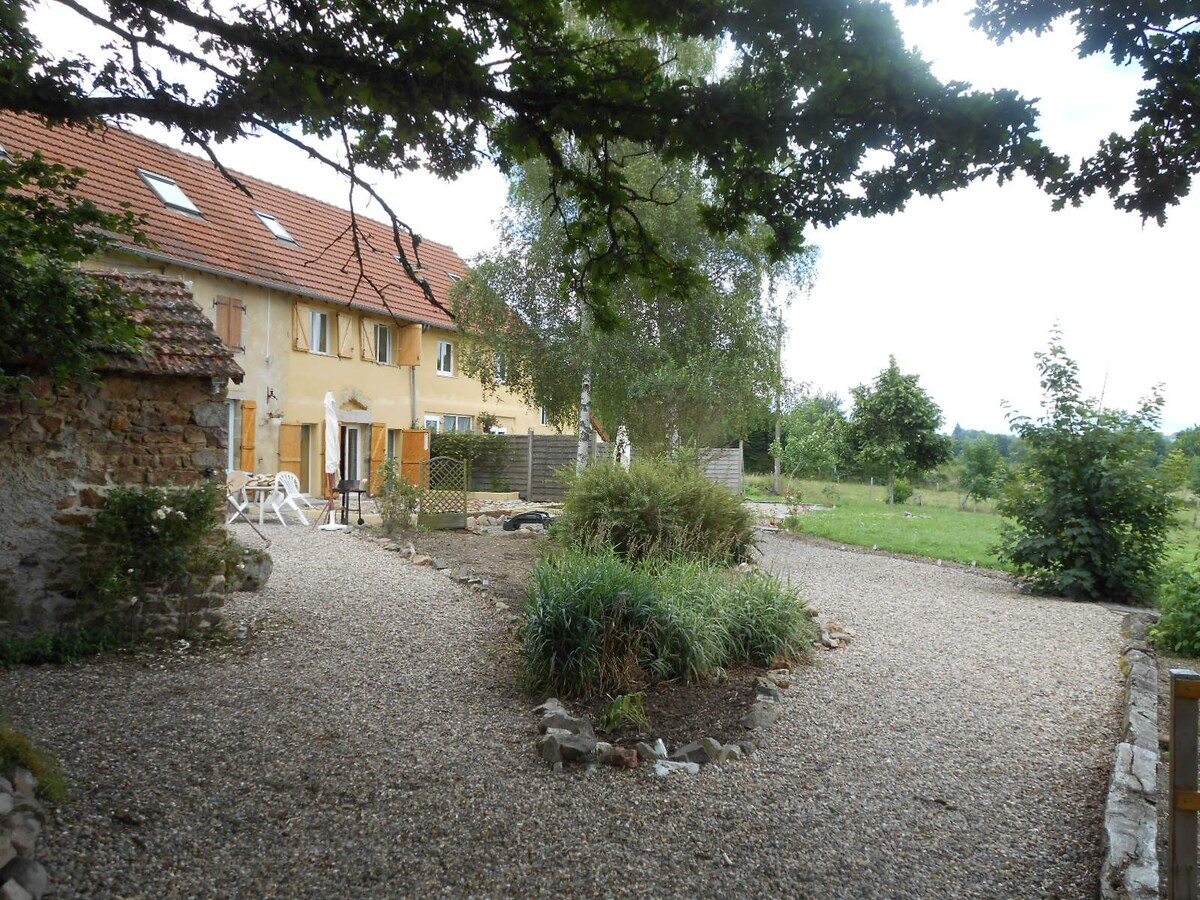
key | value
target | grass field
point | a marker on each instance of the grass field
(930, 524)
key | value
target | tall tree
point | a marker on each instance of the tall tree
(893, 427)
(1091, 514)
(694, 357)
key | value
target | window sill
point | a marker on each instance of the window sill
(445, 374)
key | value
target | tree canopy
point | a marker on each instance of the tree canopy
(821, 111)
(52, 316)
(893, 426)
(1151, 169)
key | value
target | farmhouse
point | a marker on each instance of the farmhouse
(277, 275)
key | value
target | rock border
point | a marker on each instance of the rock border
(21, 819)
(1130, 869)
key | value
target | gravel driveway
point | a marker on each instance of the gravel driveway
(958, 748)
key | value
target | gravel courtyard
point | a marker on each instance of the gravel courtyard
(366, 746)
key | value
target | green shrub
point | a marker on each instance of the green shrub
(1178, 626)
(596, 624)
(63, 647)
(902, 491)
(1090, 515)
(396, 498)
(18, 750)
(656, 507)
(149, 537)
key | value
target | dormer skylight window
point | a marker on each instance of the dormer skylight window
(169, 192)
(454, 277)
(4, 154)
(275, 226)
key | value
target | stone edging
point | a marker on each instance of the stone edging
(1130, 869)
(21, 818)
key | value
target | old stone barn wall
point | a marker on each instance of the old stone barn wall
(157, 418)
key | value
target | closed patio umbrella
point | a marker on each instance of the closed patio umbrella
(333, 456)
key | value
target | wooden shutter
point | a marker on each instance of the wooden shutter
(300, 337)
(237, 313)
(376, 453)
(366, 335)
(408, 347)
(222, 306)
(249, 420)
(344, 337)
(289, 448)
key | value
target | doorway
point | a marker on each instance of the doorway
(306, 433)
(352, 443)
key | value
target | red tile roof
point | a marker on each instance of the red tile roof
(180, 339)
(229, 239)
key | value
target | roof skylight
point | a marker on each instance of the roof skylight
(4, 154)
(169, 192)
(275, 226)
(454, 277)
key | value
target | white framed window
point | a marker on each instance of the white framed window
(318, 331)
(169, 192)
(545, 418)
(456, 423)
(433, 423)
(445, 359)
(383, 344)
(275, 226)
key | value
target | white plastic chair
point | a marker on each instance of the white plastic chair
(292, 481)
(235, 495)
(282, 498)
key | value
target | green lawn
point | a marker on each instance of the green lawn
(930, 524)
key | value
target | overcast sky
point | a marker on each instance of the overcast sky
(962, 290)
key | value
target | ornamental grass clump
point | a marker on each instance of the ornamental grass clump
(658, 507)
(597, 624)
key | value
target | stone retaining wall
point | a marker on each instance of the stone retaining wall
(1130, 869)
(63, 449)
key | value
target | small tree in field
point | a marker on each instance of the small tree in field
(894, 427)
(981, 470)
(1091, 515)
(814, 437)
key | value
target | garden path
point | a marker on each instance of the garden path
(363, 745)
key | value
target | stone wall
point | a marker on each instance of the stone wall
(63, 449)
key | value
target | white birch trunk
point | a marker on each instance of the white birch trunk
(585, 423)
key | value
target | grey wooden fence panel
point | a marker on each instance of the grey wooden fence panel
(724, 466)
(554, 452)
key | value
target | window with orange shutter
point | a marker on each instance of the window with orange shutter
(230, 316)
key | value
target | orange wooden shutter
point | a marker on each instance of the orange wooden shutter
(249, 420)
(376, 454)
(222, 306)
(366, 337)
(289, 448)
(237, 311)
(408, 348)
(344, 336)
(300, 338)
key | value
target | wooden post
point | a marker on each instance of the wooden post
(529, 469)
(1185, 800)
